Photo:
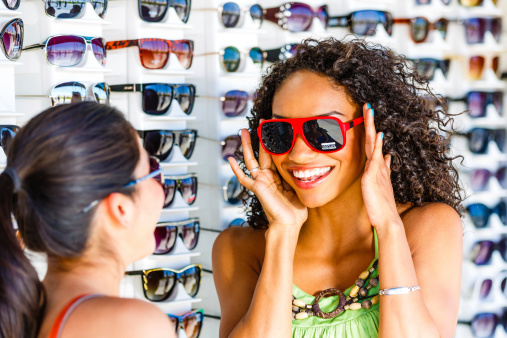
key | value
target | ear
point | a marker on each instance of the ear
(119, 208)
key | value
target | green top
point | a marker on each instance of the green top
(350, 323)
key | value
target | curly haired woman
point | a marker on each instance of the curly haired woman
(377, 196)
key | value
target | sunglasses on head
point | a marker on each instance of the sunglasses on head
(426, 67)
(420, 27)
(476, 28)
(186, 184)
(11, 37)
(7, 133)
(473, 3)
(229, 146)
(296, 16)
(160, 143)
(478, 101)
(479, 178)
(12, 4)
(69, 10)
(483, 250)
(158, 97)
(158, 284)
(69, 50)
(323, 134)
(190, 322)
(479, 139)
(166, 234)
(476, 66)
(154, 53)
(363, 22)
(480, 213)
(156, 10)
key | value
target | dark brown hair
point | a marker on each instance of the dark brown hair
(415, 134)
(65, 157)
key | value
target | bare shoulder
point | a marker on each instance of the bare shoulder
(118, 317)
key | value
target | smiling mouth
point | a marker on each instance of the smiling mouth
(310, 175)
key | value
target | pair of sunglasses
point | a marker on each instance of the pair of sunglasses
(478, 101)
(235, 102)
(483, 250)
(363, 22)
(69, 50)
(160, 143)
(12, 4)
(11, 37)
(190, 322)
(166, 234)
(479, 178)
(70, 92)
(7, 133)
(229, 146)
(477, 64)
(158, 97)
(231, 15)
(186, 184)
(158, 284)
(156, 10)
(323, 134)
(485, 287)
(296, 16)
(484, 324)
(64, 10)
(420, 27)
(481, 213)
(154, 53)
(230, 57)
(479, 139)
(476, 28)
(427, 66)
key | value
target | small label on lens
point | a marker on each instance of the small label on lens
(328, 146)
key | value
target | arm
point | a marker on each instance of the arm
(121, 44)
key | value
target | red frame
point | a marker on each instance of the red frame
(297, 129)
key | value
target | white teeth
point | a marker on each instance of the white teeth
(310, 172)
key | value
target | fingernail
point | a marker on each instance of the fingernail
(373, 112)
(382, 136)
(368, 106)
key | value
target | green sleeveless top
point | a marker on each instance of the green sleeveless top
(350, 323)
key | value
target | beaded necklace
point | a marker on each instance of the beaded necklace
(358, 298)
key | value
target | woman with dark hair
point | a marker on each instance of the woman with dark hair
(349, 180)
(84, 192)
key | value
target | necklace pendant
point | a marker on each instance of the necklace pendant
(326, 293)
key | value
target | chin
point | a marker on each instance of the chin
(313, 201)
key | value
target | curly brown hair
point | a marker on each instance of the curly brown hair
(415, 133)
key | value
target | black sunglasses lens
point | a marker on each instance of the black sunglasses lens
(426, 67)
(187, 143)
(100, 7)
(476, 102)
(256, 15)
(68, 92)
(153, 10)
(165, 239)
(419, 29)
(182, 8)
(484, 325)
(190, 235)
(185, 96)
(479, 140)
(63, 9)
(500, 176)
(191, 279)
(189, 189)
(230, 14)
(475, 28)
(479, 213)
(169, 191)
(157, 99)
(159, 143)
(277, 136)
(158, 284)
(323, 134)
(12, 4)
(192, 324)
(496, 28)
(482, 251)
(498, 101)
(500, 138)
(501, 211)
(233, 191)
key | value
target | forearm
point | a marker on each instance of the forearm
(270, 312)
(401, 315)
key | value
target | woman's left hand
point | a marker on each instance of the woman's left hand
(376, 185)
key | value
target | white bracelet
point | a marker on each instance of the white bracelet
(398, 291)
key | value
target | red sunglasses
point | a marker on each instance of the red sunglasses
(324, 134)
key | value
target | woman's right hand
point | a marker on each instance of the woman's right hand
(279, 201)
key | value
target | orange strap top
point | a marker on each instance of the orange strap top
(63, 316)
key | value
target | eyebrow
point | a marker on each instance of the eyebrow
(275, 116)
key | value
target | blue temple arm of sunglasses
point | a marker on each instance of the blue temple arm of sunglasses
(139, 180)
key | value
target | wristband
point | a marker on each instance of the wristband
(398, 291)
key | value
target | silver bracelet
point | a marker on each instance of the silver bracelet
(398, 291)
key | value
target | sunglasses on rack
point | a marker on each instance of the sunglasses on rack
(279, 54)
(363, 22)
(478, 101)
(69, 50)
(158, 97)
(479, 178)
(12, 4)
(72, 9)
(230, 57)
(166, 234)
(484, 324)
(229, 146)
(190, 322)
(186, 184)
(428, 2)
(71, 92)
(232, 15)
(7, 133)
(11, 37)
(160, 143)
(487, 286)
(156, 10)
(427, 66)
(296, 16)
(158, 284)
(481, 213)
(483, 250)
(477, 66)
(473, 3)
(476, 28)
(323, 134)
(232, 190)
(235, 102)
(479, 139)
(154, 53)
(420, 27)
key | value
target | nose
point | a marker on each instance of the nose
(301, 152)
